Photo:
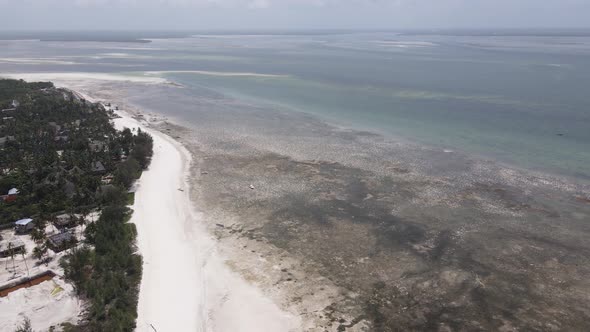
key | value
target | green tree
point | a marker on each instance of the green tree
(40, 251)
(127, 172)
(38, 234)
(143, 148)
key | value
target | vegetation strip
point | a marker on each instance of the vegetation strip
(61, 159)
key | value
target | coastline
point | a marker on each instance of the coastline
(163, 280)
(262, 275)
(322, 267)
(181, 264)
(310, 272)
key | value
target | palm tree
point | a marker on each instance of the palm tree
(11, 251)
(26, 265)
(43, 216)
(85, 212)
(40, 251)
(38, 235)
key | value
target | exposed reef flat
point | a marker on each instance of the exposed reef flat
(405, 238)
(355, 231)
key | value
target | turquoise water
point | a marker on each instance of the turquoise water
(524, 100)
(530, 132)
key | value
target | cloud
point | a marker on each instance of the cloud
(296, 14)
(259, 4)
(200, 3)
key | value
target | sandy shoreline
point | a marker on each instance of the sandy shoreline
(181, 265)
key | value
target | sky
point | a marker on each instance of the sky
(18, 15)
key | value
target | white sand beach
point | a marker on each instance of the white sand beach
(186, 285)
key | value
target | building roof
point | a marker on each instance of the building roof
(13, 243)
(23, 222)
(66, 218)
(13, 191)
(63, 219)
(76, 170)
(61, 238)
(97, 166)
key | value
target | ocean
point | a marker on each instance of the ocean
(521, 99)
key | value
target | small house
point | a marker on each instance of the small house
(11, 247)
(62, 241)
(24, 225)
(98, 167)
(15, 103)
(63, 220)
(11, 196)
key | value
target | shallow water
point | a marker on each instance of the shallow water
(521, 100)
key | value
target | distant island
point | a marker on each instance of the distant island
(90, 36)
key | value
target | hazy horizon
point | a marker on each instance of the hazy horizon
(182, 15)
